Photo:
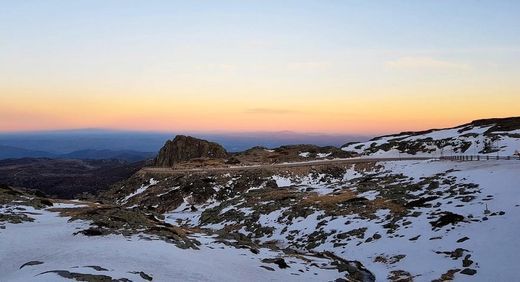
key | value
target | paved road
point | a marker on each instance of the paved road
(166, 170)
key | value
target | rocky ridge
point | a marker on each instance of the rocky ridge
(185, 148)
(498, 136)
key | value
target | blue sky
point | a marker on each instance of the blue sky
(261, 56)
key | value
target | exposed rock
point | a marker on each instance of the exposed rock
(400, 276)
(185, 148)
(419, 202)
(468, 271)
(356, 270)
(92, 232)
(143, 275)
(267, 267)
(232, 161)
(447, 218)
(83, 276)
(278, 261)
(30, 263)
(467, 262)
(447, 276)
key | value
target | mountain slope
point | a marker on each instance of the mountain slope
(84, 241)
(481, 137)
(401, 220)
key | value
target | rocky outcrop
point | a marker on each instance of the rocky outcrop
(185, 148)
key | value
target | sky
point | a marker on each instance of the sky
(330, 66)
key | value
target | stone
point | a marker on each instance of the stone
(468, 271)
(185, 148)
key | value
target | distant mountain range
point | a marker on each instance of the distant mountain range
(126, 155)
(10, 152)
(135, 145)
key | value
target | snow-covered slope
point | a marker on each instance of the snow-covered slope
(420, 220)
(47, 250)
(481, 137)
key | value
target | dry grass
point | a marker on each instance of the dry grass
(366, 167)
(276, 195)
(329, 200)
(381, 203)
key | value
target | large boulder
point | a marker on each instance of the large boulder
(185, 148)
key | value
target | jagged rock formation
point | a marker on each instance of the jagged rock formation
(185, 148)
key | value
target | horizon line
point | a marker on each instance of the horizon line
(180, 131)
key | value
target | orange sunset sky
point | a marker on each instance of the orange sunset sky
(309, 66)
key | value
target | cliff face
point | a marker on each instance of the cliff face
(184, 148)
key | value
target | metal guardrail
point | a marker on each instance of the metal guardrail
(479, 158)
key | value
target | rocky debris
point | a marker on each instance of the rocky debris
(31, 263)
(447, 218)
(185, 148)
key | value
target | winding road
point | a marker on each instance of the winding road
(167, 170)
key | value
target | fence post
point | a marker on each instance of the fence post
(487, 158)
